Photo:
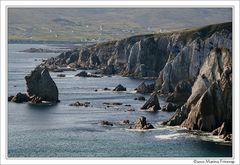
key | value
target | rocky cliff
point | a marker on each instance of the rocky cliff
(176, 55)
(193, 66)
(210, 103)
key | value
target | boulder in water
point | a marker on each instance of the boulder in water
(106, 123)
(144, 88)
(119, 88)
(141, 123)
(20, 98)
(41, 85)
(152, 103)
(82, 74)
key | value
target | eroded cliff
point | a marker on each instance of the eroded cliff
(193, 66)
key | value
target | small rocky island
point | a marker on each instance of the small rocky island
(40, 88)
(192, 68)
(41, 50)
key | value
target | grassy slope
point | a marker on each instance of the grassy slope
(186, 34)
(81, 24)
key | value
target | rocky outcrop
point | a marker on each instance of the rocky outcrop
(224, 131)
(119, 88)
(169, 107)
(210, 103)
(140, 98)
(85, 74)
(145, 88)
(106, 123)
(77, 104)
(40, 86)
(152, 104)
(20, 98)
(141, 123)
(181, 92)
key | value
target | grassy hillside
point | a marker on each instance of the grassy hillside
(104, 24)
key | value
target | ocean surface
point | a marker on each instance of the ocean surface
(65, 131)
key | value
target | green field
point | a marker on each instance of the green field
(96, 25)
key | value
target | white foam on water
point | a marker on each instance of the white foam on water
(169, 136)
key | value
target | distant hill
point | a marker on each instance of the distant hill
(89, 24)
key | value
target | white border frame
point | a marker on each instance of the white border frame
(125, 4)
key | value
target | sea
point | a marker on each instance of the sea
(66, 131)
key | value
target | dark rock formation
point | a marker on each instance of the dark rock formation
(106, 123)
(143, 88)
(40, 85)
(119, 88)
(125, 121)
(20, 98)
(85, 74)
(10, 98)
(224, 131)
(181, 92)
(61, 75)
(114, 103)
(152, 104)
(106, 89)
(169, 107)
(77, 104)
(141, 123)
(108, 70)
(140, 98)
(82, 74)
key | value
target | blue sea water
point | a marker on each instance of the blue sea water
(65, 131)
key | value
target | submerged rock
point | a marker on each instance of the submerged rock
(119, 88)
(140, 98)
(77, 104)
(61, 75)
(152, 104)
(41, 86)
(141, 123)
(106, 123)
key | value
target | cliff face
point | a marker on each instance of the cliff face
(176, 56)
(210, 104)
(194, 65)
(189, 59)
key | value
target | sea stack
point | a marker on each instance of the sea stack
(40, 86)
